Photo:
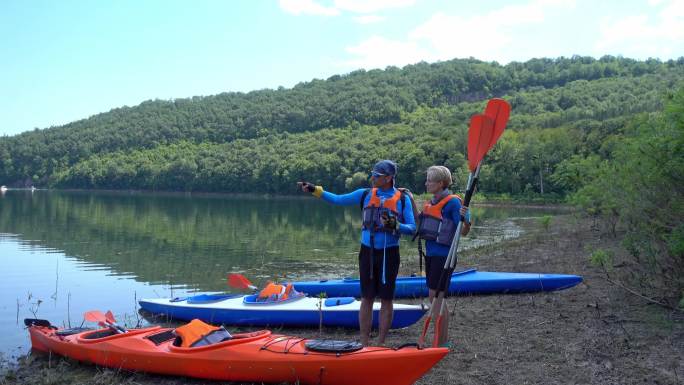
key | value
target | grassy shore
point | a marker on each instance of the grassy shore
(594, 333)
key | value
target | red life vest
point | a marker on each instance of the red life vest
(433, 226)
(375, 208)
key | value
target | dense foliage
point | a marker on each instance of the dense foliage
(331, 131)
(638, 188)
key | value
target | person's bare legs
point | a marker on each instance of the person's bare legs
(386, 314)
(365, 319)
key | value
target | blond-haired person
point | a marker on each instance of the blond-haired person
(437, 224)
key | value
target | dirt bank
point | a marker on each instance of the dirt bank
(595, 333)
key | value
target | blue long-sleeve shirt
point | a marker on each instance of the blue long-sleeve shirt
(408, 226)
(451, 210)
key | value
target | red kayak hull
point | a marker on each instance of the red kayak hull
(253, 357)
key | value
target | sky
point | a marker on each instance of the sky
(66, 60)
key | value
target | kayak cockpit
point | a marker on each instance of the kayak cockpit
(235, 339)
(109, 334)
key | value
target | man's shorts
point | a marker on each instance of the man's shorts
(371, 279)
(434, 266)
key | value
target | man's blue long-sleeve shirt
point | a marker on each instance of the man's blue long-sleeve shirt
(381, 239)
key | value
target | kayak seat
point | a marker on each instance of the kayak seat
(211, 338)
(100, 334)
(162, 337)
(278, 293)
(197, 333)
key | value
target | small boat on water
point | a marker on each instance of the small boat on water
(247, 310)
(202, 351)
(467, 282)
(3, 188)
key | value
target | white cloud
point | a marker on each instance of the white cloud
(448, 36)
(639, 36)
(444, 37)
(307, 7)
(368, 19)
(378, 52)
(371, 6)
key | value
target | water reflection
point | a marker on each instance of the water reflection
(193, 241)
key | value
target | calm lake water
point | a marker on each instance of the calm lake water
(64, 253)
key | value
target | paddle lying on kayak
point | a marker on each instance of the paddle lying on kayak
(483, 133)
(106, 320)
(215, 354)
(239, 281)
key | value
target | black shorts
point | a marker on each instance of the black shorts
(434, 266)
(371, 284)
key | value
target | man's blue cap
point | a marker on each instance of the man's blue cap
(385, 167)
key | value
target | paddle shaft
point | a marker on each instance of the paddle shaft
(116, 327)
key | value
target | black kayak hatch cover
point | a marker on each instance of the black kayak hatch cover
(332, 346)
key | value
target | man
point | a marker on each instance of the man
(386, 214)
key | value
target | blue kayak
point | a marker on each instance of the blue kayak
(465, 282)
(246, 310)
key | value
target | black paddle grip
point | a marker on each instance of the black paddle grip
(445, 280)
(470, 192)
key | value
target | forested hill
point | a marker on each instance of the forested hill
(331, 131)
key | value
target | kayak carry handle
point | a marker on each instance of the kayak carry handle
(407, 345)
(28, 322)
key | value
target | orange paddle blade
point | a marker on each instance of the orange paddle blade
(239, 281)
(498, 110)
(109, 316)
(95, 316)
(438, 330)
(479, 139)
(426, 325)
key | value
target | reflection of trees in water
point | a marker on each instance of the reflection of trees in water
(196, 240)
(184, 240)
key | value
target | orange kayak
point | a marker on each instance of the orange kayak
(252, 357)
